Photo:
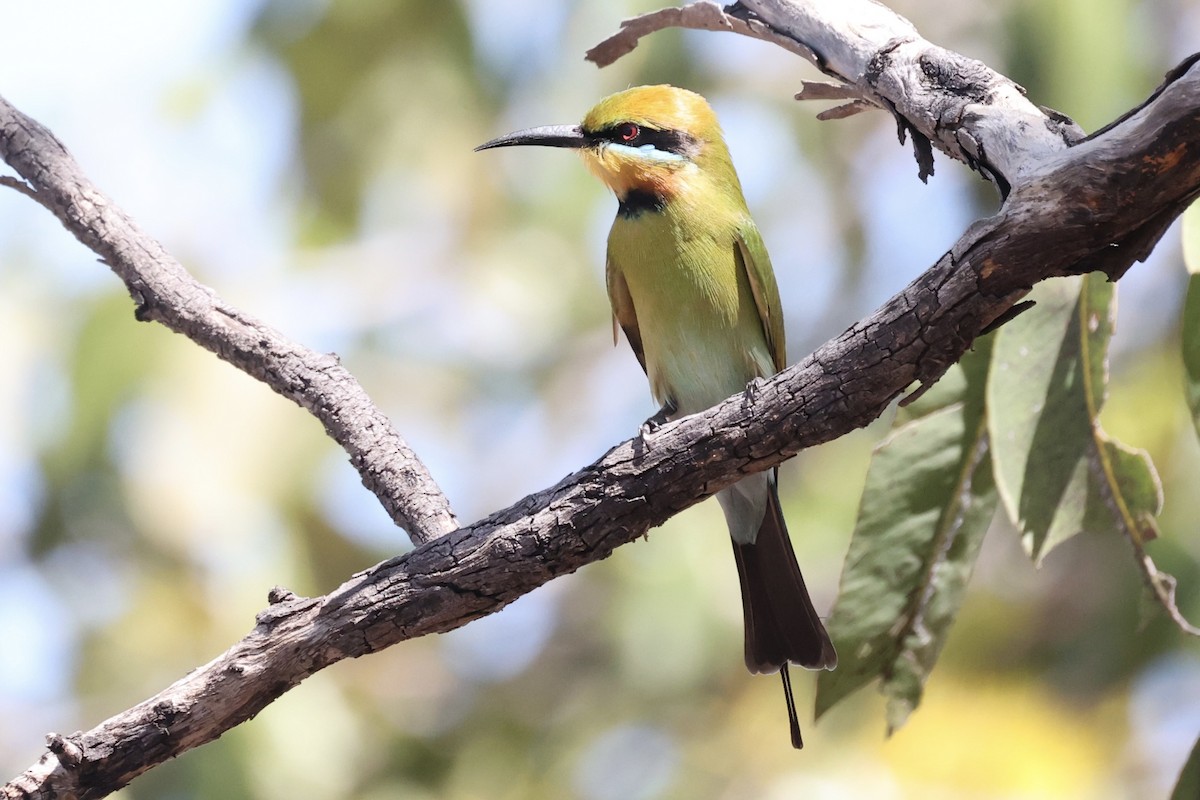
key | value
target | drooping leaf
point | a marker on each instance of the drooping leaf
(1135, 502)
(1188, 785)
(1191, 347)
(928, 500)
(1045, 388)
(1057, 472)
(1137, 491)
(1191, 238)
(1191, 310)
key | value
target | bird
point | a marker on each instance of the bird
(691, 285)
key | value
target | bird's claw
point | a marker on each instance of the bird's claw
(753, 388)
(651, 426)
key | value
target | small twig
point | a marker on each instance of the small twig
(824, 90)
(846, 110)
(20, 185)
(701, 16)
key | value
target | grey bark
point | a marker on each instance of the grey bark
(938, 97)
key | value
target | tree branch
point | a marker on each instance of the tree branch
(967, 110)
(163, 291)
(1101, 204)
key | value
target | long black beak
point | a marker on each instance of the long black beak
(547, 136)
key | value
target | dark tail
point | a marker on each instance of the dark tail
(781, 624)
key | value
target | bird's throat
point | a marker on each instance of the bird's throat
(636, 202)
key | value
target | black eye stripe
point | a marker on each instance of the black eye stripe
(669, 141)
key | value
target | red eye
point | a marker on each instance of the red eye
(628, 132)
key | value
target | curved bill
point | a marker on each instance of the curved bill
(547, 136)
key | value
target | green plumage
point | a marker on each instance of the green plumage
(685, 279)
(691, 286)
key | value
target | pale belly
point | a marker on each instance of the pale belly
(702, 335)
(699, 367)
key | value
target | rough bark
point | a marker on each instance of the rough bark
(1098, 205)
(941, 98)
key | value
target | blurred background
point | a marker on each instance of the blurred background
(311, 161)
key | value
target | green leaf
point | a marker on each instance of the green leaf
(928, 500)
(1044, 393)
(1137, 493)
(1057, 471)
(1191, 238)
(1191, 310)
(1135, 501)
(1191, 340)
(1188, 786)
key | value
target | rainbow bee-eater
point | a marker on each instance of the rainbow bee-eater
(691, 286)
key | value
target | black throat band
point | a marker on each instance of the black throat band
(639, 201)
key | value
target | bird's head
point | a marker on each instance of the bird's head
(648, 139)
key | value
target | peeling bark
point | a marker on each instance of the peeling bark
(940, 98)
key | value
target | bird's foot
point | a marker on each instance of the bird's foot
(754, 388)
(651, 426)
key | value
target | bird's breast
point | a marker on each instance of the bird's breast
(702, 337)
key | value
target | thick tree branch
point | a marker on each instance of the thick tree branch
(961, 106)
(165, 292)
(1086, 207)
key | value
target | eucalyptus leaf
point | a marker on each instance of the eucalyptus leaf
(928, 500)
(1191, 341)
(1057, 471)
(1044, 394)
(1190, 225)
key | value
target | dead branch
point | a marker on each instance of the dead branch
(163, 291)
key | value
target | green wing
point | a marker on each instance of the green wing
(622, 309)
(754, 261)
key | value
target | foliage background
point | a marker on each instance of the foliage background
(311, 161)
